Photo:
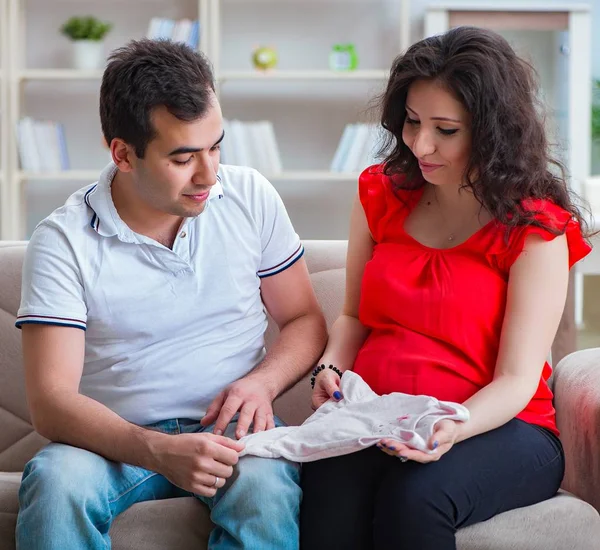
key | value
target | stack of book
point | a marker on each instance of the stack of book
(251, 144)
(42, 146)
(357, 148)
(184, 30)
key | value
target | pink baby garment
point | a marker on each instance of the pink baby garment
(361, 419)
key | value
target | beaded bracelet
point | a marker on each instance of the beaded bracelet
(319, 369)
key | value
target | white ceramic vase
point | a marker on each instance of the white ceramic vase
(88, 55)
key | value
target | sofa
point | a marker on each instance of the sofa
(568, 521)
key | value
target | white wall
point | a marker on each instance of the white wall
(595, 37)
(596, 73)
(308, 118)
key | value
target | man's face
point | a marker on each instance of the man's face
(181, 163)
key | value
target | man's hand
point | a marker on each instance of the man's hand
(199, 463)
(251, 398)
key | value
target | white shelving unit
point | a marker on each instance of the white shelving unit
(221, 9)
(308, 103)
(26, 72)
(18, 75)
(309, 75)
(57, 74)
(5, 201)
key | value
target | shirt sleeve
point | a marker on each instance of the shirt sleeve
(371, 193)
(556, 221)
(385, 203)
(52, 291)
(281, 246)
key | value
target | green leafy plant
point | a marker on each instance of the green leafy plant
(596, 112)
(85, 28)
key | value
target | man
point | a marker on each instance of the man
(143, 319)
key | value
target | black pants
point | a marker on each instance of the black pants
(370, 500)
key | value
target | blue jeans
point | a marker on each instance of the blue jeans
(69, 498)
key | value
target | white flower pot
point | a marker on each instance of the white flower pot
(88, 55)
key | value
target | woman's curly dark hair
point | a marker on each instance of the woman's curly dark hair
(510, 158)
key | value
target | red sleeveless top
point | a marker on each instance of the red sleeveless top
(436, 315)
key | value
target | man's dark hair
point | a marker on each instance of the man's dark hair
(146, 74)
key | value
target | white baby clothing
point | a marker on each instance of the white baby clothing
(361, 419)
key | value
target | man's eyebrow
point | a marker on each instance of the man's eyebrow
(436, 117)
(184, 150)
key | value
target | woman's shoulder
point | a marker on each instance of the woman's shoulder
(546, 220)
(546, 212)
(373, 178)
(374, 183)
(385, 198)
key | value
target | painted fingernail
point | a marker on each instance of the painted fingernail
(218, 432)
(383, 444)
(392, 448)
(337, 395)
(403, 458)
(435, 445)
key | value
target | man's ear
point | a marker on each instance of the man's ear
(122, 154)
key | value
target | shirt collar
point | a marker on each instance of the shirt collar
(105, 219)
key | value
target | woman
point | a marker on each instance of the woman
(457, 272)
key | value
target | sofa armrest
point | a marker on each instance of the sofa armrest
(577, 401)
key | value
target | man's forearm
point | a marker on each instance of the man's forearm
(297, 348)
(82, 422)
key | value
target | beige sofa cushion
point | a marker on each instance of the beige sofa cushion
(561, 523)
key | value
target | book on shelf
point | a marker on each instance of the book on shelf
(251, 144)
(42, 145)
(357, 148)
(183, 30)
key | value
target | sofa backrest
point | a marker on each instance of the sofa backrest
(19, 442)
(326, 262)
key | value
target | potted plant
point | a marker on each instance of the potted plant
(87, 34)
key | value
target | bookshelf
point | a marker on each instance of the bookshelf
(5, 200)
(42, 85)
(57, 74)
(313, 75)
(40, 80)
(308, 104)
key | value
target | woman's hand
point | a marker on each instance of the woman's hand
(327, 386)
(442, 440)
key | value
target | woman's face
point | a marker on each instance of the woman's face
(437, 130)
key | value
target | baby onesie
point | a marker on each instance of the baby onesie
(361, 419)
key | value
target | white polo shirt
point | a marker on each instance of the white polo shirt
(166, 330)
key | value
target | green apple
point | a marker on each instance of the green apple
(264, 58)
